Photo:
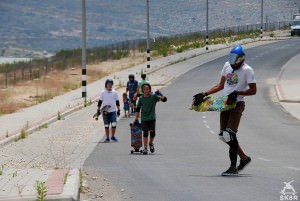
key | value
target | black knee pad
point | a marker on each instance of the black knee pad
(230, 138)
(152, 134)
(145, 133)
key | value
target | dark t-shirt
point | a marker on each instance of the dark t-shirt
(148, 107)
(132, 87)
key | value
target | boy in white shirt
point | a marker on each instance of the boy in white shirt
(110, 97)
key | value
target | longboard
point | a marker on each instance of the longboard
(213, 103)
(136, 137)
(105, 108)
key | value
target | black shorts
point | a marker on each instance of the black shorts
(148, 125)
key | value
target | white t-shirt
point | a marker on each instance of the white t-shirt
(109, 98)
(238, 79)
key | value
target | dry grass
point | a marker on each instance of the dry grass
(28, 93)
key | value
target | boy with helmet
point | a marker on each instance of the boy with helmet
(131, 87)
(110, 97)
(237, 81)
(146, 104)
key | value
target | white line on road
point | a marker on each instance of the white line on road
(212, 132)
(265, 159)
(204, 121)
(207, 126)
(293, 168)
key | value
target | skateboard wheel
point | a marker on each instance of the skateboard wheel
(131, 151)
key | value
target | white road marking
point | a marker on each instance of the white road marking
(265, 159)
(204, 117)
(207, 126)
(212, 132)
(204, 121)
(293, 168)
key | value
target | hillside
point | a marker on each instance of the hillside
(56, 24)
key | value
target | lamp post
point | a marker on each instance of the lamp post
(83, 76)
(148, 36)
(262, 19)
(206, 39)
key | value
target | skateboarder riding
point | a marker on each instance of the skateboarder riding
(110, 97)
(146, 104)
(237, 81)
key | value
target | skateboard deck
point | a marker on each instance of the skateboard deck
(136, 137)
(214, 103)
(105, 108)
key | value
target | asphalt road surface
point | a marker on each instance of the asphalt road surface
(189, 158)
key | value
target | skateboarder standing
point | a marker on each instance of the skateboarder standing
(132, 86)
(237, 81)
(146, 104)
(110, 97)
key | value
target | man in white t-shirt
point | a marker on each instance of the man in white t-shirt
(110, 97)
(237, 81)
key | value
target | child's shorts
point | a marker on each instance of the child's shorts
(110, 118)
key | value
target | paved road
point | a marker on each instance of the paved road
(190, 158)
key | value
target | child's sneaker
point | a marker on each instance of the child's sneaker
(145, 151)
(107, 140)
(151, 148)
(113, 138)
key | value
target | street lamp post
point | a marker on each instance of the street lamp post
(148, 36)
(262, 19)
(83, 77)
(206, 40)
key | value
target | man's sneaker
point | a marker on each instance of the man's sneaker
(244, 163)
(145, 151)
(232, 171)
(113, 138)
(107, 140)
(152, 150)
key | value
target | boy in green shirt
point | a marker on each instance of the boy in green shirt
(146, 104)
(140, 84)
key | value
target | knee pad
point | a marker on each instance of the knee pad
(152, 134)
(230, 138)
(106, 126)
(221, 136)
(145, 133)
(114, 124)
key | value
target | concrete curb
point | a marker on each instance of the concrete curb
(70, 191)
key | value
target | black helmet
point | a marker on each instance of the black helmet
(131, 76)
(143, 76)
(109, 81)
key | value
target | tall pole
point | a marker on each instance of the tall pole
(148, 37)
(262, 19)
(83, 50)
(206, 40)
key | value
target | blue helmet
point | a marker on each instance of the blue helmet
(236, 57)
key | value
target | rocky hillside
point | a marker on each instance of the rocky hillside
(56, 24)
